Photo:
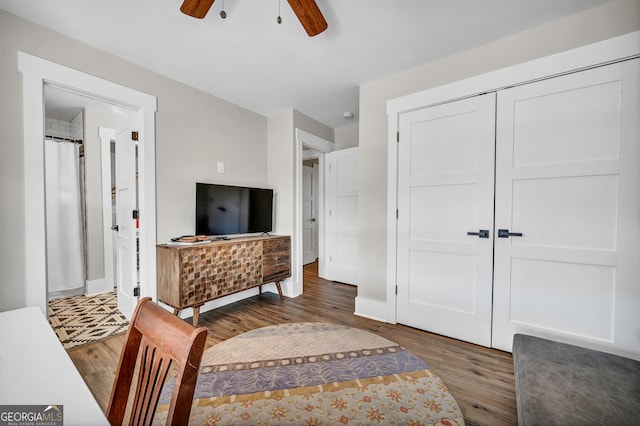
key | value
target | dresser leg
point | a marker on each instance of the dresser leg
(279, 291)
(175, 311)
(196, 315)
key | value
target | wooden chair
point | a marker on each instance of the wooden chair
(156, 337)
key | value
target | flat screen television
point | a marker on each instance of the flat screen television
(227, 210)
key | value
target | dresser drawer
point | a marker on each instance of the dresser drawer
(276, 245)
(275, 267)
(276, 259)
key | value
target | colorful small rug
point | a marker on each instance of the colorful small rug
(312, 374)
(84, 319)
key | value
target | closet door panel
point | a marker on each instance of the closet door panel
(563, 182)
(578, 294)
(445, 189)
(566, 125)
(587, 218)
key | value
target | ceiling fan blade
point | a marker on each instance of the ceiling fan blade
(309, 16)
(196, 8)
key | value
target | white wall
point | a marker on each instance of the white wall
(282, 177)
(308, 124)
(280, 174)
(205, 130)
(347, 136)
(612, 19)
(193, 131)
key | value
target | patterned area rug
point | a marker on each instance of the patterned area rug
(312, 374)
(84, 319)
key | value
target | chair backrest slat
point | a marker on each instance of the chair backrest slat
(155, 339)
(151, 378)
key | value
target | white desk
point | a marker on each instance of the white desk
(35, 369)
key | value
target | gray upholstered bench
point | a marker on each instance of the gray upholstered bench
(560, 384)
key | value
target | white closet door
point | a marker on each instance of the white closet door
(445, 190)
(567, 178)
(342, 204)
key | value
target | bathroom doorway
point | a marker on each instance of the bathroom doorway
(36, 73)
(80, 200)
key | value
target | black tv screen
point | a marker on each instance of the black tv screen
(225, 209)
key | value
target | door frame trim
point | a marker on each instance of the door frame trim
(597, 54)
(323, 146)
(35, 73)
(312, 154)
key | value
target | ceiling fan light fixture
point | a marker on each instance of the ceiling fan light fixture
(307, 12)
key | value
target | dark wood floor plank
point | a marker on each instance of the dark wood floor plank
(481, 379)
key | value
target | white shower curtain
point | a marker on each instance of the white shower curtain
(65, 242)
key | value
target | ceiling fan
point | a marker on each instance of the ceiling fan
(307, 12)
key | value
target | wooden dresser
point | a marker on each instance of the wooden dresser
(189, 276)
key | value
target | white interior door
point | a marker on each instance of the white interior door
(342, 205)
(309, 214)
(567, 178)
(445, 191)
(125, 205)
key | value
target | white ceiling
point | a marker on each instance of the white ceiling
(250, 60)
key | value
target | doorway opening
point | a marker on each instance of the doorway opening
(310, 209)
(309, 146)
(36, 74)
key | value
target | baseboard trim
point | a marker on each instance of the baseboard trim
(369, 308)
(93, 287)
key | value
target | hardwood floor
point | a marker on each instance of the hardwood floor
(480, 379)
